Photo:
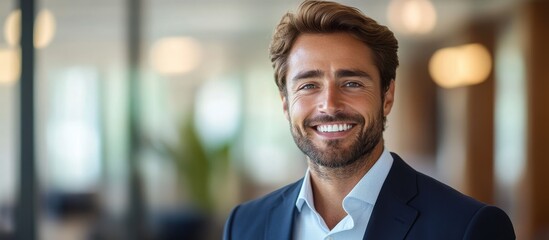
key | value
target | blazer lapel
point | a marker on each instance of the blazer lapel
(392, 218)
(281, 217)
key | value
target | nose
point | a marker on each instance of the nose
(330, 100)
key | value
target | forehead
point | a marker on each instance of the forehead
(330, 53)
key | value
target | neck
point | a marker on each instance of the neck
(331, 185)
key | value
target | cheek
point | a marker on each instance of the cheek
(368, 105)
(372, 98)
(298, 109)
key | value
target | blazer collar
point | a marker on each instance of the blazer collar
(281, 217)
(392, 217)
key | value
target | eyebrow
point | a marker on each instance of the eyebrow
(307, 74)
(339, 74)
(352, 73)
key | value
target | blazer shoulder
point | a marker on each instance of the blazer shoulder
(490, 222)
(456, 214)
(251, 220)
(424, 191)
(442, 202)
(444, 193)
(268, 201)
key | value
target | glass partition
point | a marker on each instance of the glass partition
(9, 110)
(81, 117)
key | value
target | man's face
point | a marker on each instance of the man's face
(333, 101)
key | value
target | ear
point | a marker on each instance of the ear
(389, 99)
(284, 98)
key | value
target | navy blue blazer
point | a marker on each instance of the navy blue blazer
(410, 205)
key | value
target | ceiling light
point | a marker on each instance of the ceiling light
(12, 28)
(463, 65)
(10, 62)
(175, 55)
(44, 28)
(412, 16)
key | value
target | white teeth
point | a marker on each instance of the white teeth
(334, 127)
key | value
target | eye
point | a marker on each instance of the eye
(352, 84)
(307, 86)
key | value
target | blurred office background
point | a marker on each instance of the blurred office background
(152, 119)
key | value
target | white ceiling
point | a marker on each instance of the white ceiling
(88, 29)
(230, 18)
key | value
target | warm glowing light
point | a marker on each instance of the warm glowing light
(478, 64)
(443, 67)
(412, 16)
(12, 28)
(10, 62)
(44, 30)
(175, 55)
(460, 66)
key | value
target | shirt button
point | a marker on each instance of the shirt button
(329, 238)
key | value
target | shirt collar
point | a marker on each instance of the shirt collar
(306, 193)
(365, 191)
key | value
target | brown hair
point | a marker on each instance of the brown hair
(331, 17)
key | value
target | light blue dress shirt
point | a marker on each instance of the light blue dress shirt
(358, 204)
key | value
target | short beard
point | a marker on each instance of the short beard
(335, 156)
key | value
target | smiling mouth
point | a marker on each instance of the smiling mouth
(329, 128)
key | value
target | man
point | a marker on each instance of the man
(335, 70)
